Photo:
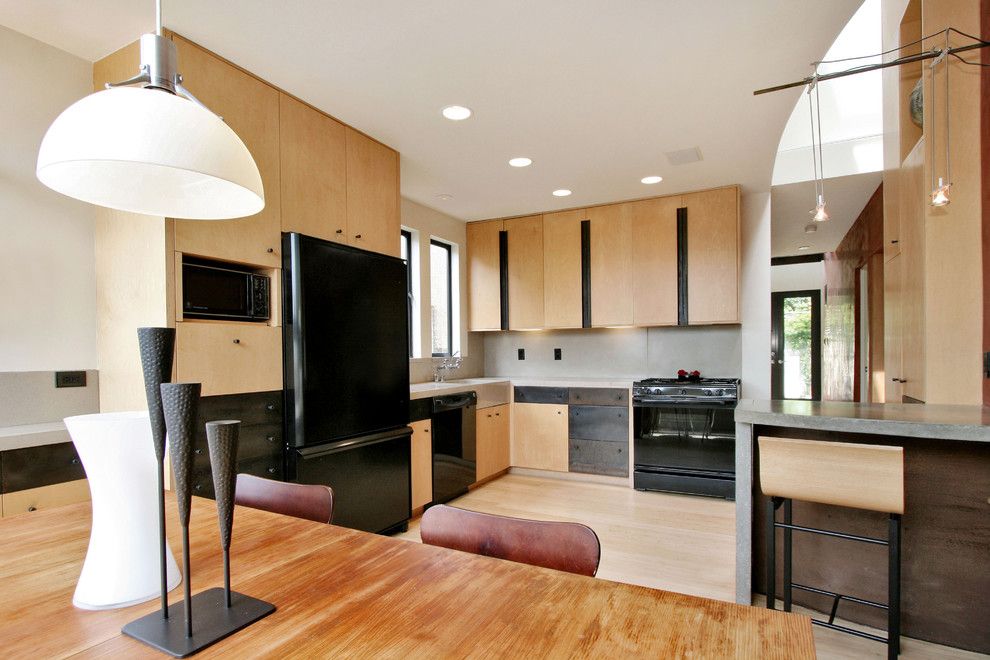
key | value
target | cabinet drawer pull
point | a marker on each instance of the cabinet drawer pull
(497, 414)
(237, 341)
(270, 407)
(357, 235)
(894, 241)
(271, 470)
(32, 508)
(426, 430)
(270, 250)
(271, 438)
(339, 231)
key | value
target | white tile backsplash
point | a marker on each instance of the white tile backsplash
(615, 353)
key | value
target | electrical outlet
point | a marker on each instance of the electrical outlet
(522, 353)
(70, 379)
(557, 354)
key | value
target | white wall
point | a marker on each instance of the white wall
(798, 277)
(755, 295)
(426, 224)
(47, 266)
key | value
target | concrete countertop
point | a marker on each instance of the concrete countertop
(496, 391)
(967, 423)
(33, 435)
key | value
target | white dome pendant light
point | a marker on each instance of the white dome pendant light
(154, 150)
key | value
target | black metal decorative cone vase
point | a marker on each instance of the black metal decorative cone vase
(222, 439)
(157, 347)
(220, 612)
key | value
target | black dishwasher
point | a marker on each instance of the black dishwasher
(454, 459)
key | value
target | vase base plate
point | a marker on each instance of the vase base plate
(211, 622)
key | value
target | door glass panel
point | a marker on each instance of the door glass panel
(797, 347)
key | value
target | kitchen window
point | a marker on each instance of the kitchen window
(405, 252)
(441, 299)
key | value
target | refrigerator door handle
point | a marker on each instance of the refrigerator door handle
(353, 443)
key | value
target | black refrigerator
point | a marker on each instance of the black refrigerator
(346, 365)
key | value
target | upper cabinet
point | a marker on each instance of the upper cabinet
(663, 261)
(562, 292)
(484, 275)
(654, 260)
(313, 163)
(372, 194)
(712, 256)
(611, 265)
(251, 108)
(525, 272)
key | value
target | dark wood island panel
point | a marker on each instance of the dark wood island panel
(945, 579)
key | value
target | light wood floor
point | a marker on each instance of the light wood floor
(673, 542)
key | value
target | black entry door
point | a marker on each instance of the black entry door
(796, 345)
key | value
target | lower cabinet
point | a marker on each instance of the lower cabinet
(260, 446)
(422, 464)
(41, 477)
(539, 436)
(492, 434)
(45, 497)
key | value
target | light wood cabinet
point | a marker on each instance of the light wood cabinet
(422, 463)
(45, 497)
(539, 436)
(913, 204)
(372, 194)
(562, 269)
(313, 163)
(713, 256)
(525, 270)
(484, 276)
(251, 108)
(229, 358)
(492, 432)
(654, 260)
(611, 265)
(893, 340)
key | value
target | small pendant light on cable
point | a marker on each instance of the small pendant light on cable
(154, 150)
(819, 213)
(940, 191)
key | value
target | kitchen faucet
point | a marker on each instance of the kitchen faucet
(445, 364)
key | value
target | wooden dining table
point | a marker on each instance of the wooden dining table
(345, 593)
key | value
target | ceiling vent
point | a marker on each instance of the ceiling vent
(684, 156)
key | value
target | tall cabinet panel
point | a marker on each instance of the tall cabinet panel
(250, 107)
(654, 260)
(525, 270)
(611, 265)
(913, 315)
(313, 171)
(893, 331)
(372, 194)
(484, 273)
(713, 256)
(562, 268)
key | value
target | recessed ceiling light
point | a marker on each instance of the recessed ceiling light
(649, 180)
(521, 161)
(563, 192)
(810, 229)
(804, 247)
(456, 112)
(445, 196)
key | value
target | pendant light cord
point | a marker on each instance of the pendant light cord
(821, 160)
(814, 153)
(945, 65)
(158, 18)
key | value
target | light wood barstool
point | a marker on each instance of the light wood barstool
(845, 474)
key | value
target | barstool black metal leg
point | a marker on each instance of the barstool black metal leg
(771, 541)
(787, 554)
(894, 588)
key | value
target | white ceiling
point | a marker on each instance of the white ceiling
(593, 92)
(846, 196)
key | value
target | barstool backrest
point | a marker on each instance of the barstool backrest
(843, 473)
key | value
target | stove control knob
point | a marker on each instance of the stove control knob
(719, 392)
(683, 391)
(709, 393)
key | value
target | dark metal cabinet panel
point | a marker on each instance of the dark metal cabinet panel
(33, 467)
(420, 409)
(598, 457)
(260, 447)
(556, 395)
(598, 423)
(599, 396)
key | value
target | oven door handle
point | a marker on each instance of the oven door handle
(681, 403)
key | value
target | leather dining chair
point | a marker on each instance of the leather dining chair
(563, 546)
(310, 502)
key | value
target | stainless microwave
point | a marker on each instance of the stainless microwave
(223, 292)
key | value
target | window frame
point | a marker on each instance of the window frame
(450, 296)
(407, 241)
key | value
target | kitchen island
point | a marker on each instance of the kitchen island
(945, 582)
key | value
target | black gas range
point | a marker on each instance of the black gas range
(685, 435)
